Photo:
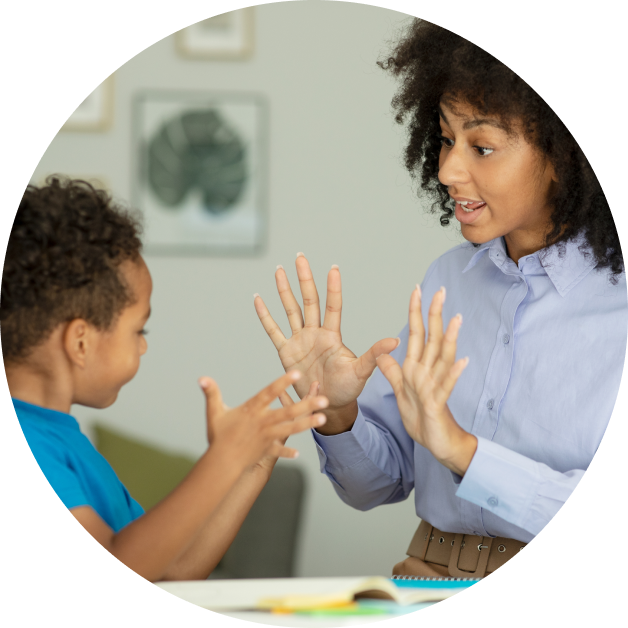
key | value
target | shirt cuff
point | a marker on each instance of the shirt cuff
(500, 480)
(345, 450)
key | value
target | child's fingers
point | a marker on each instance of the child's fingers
(281, 431)
(215, 405)
(286, 399)
(267, 395)
(290, 304)
(305, 407)
(278, 450)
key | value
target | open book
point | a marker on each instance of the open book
(404, 592)
(289, 594)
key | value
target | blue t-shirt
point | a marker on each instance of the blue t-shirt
(79, 475)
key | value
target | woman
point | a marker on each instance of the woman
(493, 452)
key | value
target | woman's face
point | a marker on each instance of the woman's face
(500, 182)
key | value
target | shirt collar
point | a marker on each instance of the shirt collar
(565, 263)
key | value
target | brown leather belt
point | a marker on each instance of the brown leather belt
(464, 555)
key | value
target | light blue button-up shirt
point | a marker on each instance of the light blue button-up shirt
(546, 340)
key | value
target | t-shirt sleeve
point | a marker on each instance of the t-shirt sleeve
(58, 471)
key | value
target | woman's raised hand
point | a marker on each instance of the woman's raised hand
(317, 351)
(253, 430)
(425, 382)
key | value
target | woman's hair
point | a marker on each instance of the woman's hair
(67, 242)
(437, 65)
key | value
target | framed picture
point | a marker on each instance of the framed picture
(226, 36)
(201, 181)
(95, 113)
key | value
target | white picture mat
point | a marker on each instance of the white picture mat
(229, 35)
(95, 112)
(190, 224)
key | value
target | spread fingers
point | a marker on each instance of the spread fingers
(311, 304)
(268, 323)
(290, 304)
(333, 302)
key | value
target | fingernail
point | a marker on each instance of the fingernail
(294, 374)
(295, 454)
(442, 289)
(299, 254)
(398, 341)
(418, 289)
(255, 296)
(322, 419)
(466, 361)
(279, 266)
(459, 316)
(335, 266)
(203, 382)
(322, 403)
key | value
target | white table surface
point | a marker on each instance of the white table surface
(224, 596)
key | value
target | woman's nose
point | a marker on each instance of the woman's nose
(452, 167)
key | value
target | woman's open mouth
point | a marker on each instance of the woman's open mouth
(467, 210)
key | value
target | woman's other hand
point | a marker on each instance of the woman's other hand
(317, 351)
(253, 430)
(425, 382)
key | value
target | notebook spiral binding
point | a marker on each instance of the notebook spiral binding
(436, 579)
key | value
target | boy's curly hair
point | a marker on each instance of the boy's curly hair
(66, 244)
(437, 65)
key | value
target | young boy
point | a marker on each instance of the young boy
(75, 299)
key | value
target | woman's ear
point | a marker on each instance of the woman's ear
(77, 341)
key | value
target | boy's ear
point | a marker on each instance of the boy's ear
(77, 339)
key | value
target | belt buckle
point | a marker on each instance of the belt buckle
(484, 547)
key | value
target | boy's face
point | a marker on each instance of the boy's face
(114, 356)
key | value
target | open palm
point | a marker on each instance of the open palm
(314, 349)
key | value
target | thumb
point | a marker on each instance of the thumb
(366, 363)
(215, 406)
(391, 371)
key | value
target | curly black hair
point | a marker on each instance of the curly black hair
(66, 244)
(436, 65)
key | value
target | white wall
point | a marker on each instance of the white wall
(337, 191)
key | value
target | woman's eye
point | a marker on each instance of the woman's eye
(446, 141)
(483, 151)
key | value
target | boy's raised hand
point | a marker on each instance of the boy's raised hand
(253, 430)
(317, 351)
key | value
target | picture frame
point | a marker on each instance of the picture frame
(95, 113)
(201, 172)
(228, 36)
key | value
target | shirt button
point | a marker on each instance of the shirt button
(506, 339)
(493, 501)
(489, 404)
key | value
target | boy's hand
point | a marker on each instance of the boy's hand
(317, 351)
(424, 384)
(253, 430)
